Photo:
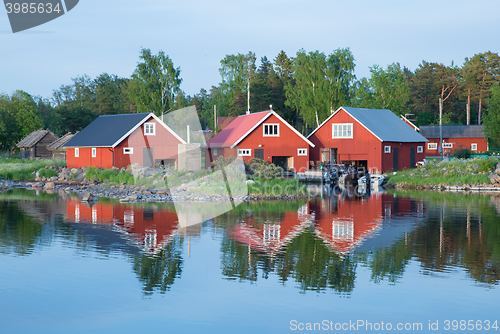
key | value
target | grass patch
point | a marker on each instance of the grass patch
(465, 171)
(111, 175)
(20, 169)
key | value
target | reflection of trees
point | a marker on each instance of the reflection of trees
(19, 233)
(158, 272)
(306, 260)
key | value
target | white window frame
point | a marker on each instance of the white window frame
(342, 130)
(215, 151)
(387, 149)
(473, 146)
(420, 149)
(150, 129)
(128, 150)
(94, 152)
(447, 145)
(77, 152)
(302, 152)
(244, 152)
(432, 146)
(270, 126)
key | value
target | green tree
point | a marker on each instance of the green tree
(154, 83)
(109, 95)
(322, 84)
(237, 72)
(492, 119)
(480, 72)
(386, 89)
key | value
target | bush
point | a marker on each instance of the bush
(463, 153)
(47, 172)
(261, 169)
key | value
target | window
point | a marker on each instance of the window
(387, 149)
(94, 152)
(432, 146)
(215, 151)
(473, 147)
(244, 152)
(77, 152)
(342, 130)
(128, 150)
(447, 145)
(420, 149)
(271, 130)
(302, 151)
(149, 129)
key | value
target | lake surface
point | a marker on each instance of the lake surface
(402, 262)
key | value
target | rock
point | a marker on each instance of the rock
(475, 166)
(494, 178)
(37, 185)
(88, 197)
(49, 185)
(250, 182)
(497, 169)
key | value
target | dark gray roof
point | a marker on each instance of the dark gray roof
(453, 131)
(107, 130)
(34, 137)
(384, 124)
(57, 144)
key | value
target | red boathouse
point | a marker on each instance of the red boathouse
(455, 137)
(264, 135)
(122, 140)
(376, 139)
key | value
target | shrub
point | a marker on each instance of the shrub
(463, 153)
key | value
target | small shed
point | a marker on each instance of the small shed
(35, 144)
(455, 137)
(57, 149)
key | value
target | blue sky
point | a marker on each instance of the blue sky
(107, 35)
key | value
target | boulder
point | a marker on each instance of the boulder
(494, 178)
(88, 197)
(497, 170)
(49, 185)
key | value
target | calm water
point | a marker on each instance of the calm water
(400, 260)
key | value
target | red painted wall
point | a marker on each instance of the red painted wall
(103, 159)
(458, 143)
(363, 146)
(286, 144)
(164, 144)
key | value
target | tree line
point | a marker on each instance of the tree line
(304, 90)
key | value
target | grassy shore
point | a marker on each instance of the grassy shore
(452, 172)
(21, 169)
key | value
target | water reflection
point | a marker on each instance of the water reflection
(313, 245)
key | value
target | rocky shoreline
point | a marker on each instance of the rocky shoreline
(74, 181)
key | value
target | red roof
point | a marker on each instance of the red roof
(242, 126)
(238, 128)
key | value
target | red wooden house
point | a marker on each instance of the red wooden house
(455, 137)
(122, 140)
(376, 139)
(264, 135)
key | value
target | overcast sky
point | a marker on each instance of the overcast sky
(100, 36)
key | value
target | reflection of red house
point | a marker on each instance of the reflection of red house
(351, 223)
(270, 237)
(264, 135)
(122, 140)
(148, 227)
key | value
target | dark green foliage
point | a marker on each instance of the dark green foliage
(463, 153)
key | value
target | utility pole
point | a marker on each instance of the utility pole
(215, 118)
(468, 108)
(441, 127)
(248, 94)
